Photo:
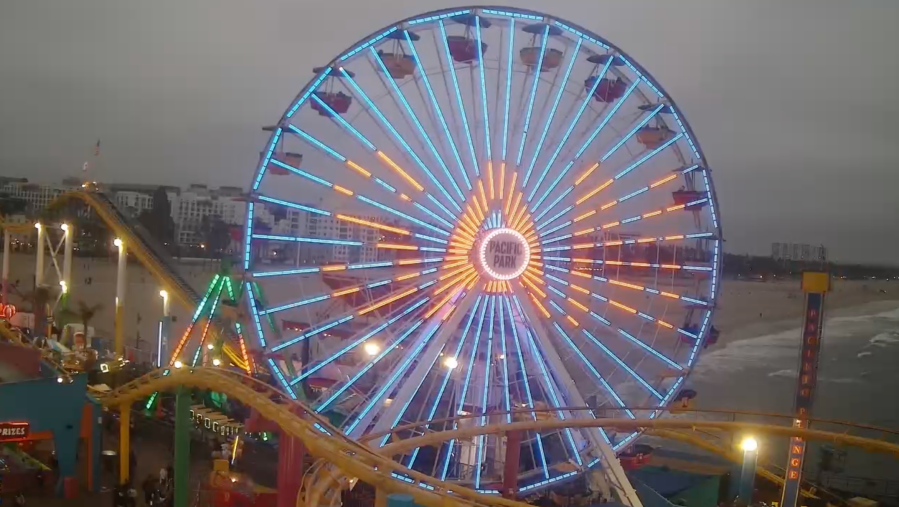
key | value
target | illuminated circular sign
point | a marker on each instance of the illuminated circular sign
(504, 254)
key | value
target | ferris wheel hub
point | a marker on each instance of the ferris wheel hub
(503, 254)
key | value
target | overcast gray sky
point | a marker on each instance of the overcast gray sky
(794, 102)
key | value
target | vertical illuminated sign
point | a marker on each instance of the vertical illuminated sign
(814, 285)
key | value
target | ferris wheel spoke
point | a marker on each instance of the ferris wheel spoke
(421, 131)
(538, 357)
(369, 334)
(530, 109)
(589, 365)
(436, 105)
(573, 302)
(350, 193)
(446, 377)
(508, 101)
(548, 123)
(488, 363)
(345, 292)
(398, 373)
(527, 384)
(333, 397)
(564, 139)
(459, 102)
(465, 386)
(448, 322)
(608, 322)
(345, 267)
(593, 136)
(399, 138)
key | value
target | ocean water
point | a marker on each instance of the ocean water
(858, 381)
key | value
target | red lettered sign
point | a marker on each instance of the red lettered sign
(13, 431)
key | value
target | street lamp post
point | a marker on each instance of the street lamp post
(39, 267)
(121, 282)
(162, 342)
(67, 264)
(6, 255)
(750, 448)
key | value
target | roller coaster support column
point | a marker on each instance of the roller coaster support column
(380, 497)
(290, 469)
(815, 284)
(39, 267)
(182, 445)
(162, 341)
(6, 255)
(67, 264)
(121, 280)
(510, 468)
(124, 442)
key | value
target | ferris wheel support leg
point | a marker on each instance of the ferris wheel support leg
(410, 385)
(614, 473)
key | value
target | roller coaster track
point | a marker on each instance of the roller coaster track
(15, 337)
(341, 458)
(320, 438)
(150, 256)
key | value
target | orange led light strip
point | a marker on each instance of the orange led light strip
(392, 246)
(374, 225)
(387, 301)
(400, 171)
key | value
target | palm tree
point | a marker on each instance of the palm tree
(84, 313)
(38, 300)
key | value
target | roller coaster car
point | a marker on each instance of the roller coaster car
(339, 102)
(552, 58)
(608, 90)
(463, 49)
(398, 65)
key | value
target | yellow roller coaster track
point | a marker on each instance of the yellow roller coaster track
(15, 337)
(149, 261)
(352, 458)
(355, 459)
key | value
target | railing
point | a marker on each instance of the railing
(872, 488)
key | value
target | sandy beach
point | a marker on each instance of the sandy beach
(748, 309)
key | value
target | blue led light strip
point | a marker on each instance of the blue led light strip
(359, 341)
(593, 370)
(373, 108)
(488, 362)
(388, 385)
(504, 359)
(486, 121)
(325, 404)
(436, 105)
(446, 378)
(527, 384)
(459, 102)
(509, 61)
(461, 404)
(421, 131)
(549, 121)
(527, 121)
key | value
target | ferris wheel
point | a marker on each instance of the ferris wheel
(478, 211)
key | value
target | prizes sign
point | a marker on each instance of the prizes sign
(11, 431)
(504, 254)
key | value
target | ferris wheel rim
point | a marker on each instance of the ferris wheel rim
(310, 87)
